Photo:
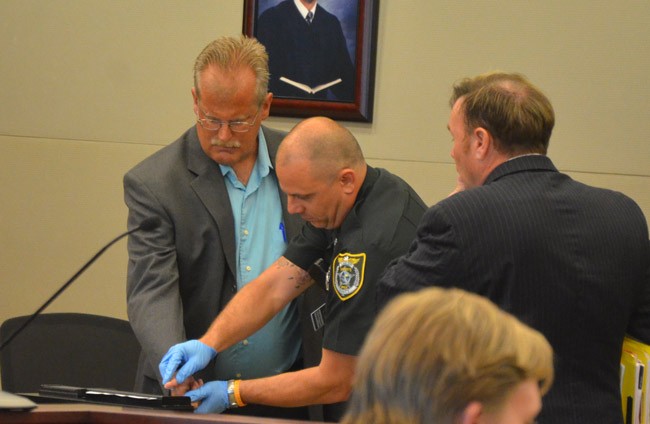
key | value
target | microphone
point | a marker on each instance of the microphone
(148, 224)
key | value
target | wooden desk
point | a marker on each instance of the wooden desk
(99, 414)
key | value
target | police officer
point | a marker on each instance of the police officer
(358, 219)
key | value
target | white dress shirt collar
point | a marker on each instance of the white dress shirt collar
(303, 10)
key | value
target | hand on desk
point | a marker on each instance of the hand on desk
(189, 384)
(211, 397)
(191, 356)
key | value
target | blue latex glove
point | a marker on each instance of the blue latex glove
(191, 356)
(213, 397)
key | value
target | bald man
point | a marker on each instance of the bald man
(358, 219)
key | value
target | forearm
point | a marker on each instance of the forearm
(244, 315)
(256, 304)
(316, 385)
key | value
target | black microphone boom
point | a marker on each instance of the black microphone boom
(147, 224)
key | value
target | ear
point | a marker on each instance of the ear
(347, 179)
(472, 413)
(196, 101)
(265, 108)
(483, 142)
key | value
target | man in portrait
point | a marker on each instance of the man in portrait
(308, 52)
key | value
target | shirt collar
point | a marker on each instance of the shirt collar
(523, 163)
(371, 176)
(525, 154)
(303, 10)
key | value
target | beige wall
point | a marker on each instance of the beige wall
(91, 87)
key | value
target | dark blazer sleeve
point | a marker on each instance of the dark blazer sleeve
(639, 325)
(429, 261)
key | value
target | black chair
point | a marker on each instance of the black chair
(71, 349)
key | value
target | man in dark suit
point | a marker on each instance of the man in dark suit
(306, 45)
(567, 259)
(224, 221)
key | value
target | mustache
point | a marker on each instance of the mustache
(215, 142)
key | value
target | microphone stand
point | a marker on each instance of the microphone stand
(147, 224)
(11, 402)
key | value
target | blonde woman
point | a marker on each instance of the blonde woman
(443, 356)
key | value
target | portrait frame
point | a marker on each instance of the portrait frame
(360, 109)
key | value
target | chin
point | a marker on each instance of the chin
(317, 224)
(225, 158)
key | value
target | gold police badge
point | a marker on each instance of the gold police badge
(348, 274)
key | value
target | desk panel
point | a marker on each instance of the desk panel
(99, 414)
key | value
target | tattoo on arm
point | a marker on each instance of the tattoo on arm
(302, 279)
(299, 277)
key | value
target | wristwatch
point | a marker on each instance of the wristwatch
(232, 401)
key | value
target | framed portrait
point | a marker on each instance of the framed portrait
(321, 58)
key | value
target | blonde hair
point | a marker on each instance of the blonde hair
(230, 53)
(432, 352)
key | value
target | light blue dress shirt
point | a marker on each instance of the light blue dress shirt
(260, 240)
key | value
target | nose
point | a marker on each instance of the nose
(224, 132)
(293, 205)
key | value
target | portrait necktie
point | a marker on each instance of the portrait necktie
(309, 17)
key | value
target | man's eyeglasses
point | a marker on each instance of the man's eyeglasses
(234, 126)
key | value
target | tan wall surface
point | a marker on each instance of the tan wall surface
(90, 87)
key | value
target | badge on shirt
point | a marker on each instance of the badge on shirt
(348, 274)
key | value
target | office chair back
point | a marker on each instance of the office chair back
(72, 349)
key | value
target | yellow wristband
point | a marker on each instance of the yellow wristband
(240, 402)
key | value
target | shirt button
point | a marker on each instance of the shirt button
(245, 232)
(238, 375)
(245, 342)
(248, 268)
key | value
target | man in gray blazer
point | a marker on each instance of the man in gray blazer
(570, 260)
(224, 221)
(357, 219)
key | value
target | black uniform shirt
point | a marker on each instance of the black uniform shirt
(380, 227)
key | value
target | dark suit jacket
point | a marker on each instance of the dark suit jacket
(310, 54)
(569, 260)
(181, 275)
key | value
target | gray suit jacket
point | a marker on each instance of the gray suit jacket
(181, 275)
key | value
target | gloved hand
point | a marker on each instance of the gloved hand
(191, 356)
(213, 397)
